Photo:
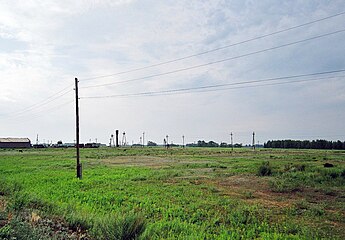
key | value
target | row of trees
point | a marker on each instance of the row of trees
(306, 144)
(202, 143)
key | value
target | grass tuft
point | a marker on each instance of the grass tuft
(265, 169)
(119, 227)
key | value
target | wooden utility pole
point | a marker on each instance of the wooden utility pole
(143, 139)
(117, 137)
(232, 144)
(183, 141)
(79, 168)
(253, 141)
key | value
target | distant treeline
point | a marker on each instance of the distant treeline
(314, 144)
(202, 143)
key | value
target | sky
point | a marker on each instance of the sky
(123, 51)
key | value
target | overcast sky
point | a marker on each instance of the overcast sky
(44, 45)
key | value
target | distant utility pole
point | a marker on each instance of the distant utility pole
(117, 137)
(143, 139)
(231, 142)
(253, 141)
(112, 141)
(167, 141)
(79, 168)
(183, 141)
(124, 140)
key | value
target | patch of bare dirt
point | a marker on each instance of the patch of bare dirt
(254, 189)
(147, 161)
(257, 190)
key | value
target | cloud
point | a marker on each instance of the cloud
(44, 45)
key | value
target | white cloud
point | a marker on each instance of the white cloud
(49, 43)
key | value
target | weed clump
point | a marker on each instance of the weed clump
(283, 185)
(119, 227)
(333, 175)
(342, 174)
(294, 167)
(265, 169)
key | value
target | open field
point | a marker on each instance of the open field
(154, 193)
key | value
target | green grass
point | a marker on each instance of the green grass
(192, 193)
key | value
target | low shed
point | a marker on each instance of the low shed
(15, 143)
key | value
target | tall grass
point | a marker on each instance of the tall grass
(118, 227)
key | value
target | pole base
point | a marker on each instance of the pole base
(79, 171)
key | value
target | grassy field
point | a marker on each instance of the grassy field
(154, 193)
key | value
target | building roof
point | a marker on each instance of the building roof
(14, 140)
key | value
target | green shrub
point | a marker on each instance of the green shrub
(18, 229)
(18, 202)
(294, 167)
(342, 174)
(265, 169)
(300, 167)
(119, 227)
(333, 175)
(284, 184)
(78, 221)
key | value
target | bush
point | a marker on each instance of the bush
(333, 175)
(284, 185)
(294, 168)
(265, 169)
(300, 167)
(78, 221)
(342, 174)
(18, 202)
(119, 227)
(18, 229)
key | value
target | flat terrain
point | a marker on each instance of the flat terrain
(154, 193)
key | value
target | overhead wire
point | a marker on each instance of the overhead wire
(38, 114)
(216, 62)
(213, 87)
(57, 96)
(38, 105)
(43, 102)
(215, 49)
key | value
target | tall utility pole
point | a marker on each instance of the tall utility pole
(117, 137)
(253, 141)
(183, 141)
(167, 141)
(232, 143)
(79, 169)
(143, 139)
(124, 140)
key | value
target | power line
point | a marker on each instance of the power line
(40, 104)
(214, 49)
(218, 61)
(38, 114)
(212, 87)
(210, 90)
(271, 84)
